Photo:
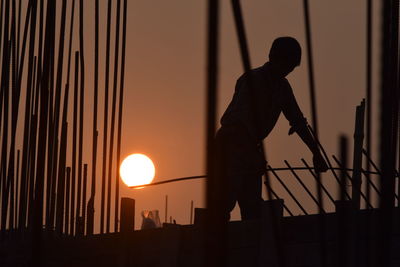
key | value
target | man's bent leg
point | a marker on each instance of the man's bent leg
(249, 197)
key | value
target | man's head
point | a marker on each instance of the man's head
(285, 54)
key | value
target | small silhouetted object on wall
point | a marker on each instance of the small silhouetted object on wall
(127, 215)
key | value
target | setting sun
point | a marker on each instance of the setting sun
(137, 169)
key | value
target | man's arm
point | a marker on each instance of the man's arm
(298, 124)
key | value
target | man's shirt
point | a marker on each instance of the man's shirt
(259, 99)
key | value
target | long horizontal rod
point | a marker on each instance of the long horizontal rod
(204, 176)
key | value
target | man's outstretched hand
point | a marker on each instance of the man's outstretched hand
(319, 163)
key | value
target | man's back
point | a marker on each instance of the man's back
(259, 98)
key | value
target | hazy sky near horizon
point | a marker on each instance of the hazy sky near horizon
(165, 89)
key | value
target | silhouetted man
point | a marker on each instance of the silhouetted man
(260, 96)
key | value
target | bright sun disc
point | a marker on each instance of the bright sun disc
(137, 169)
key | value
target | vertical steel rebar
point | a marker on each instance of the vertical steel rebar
(388, 130)
(316, 179)
(90, 217)
(81, 109)
(58, 166)
(67, 201)
(113, 107)
(288, 191)
(42, 138)
(166, 209)
(85, 169)
(105, 125)
(120, 111)
(357, 155)
(74, 130)
(343, 160)
(216, 237)
(310, 65)
(368, 135)
(17, 183)
(304, 186)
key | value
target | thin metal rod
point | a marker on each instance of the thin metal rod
(310, 65)
(95, 103)
(191, 212)
(4, 91)
(84, 190)
(71, 31)
(67, 201)
(113, 108)
(377, 172)
(349, 177)
(42, 138)
(343, 159)
(121, 102)
(388, 130)
(17, 183)
(18, 32)
(241, 34)
(288, 190)
(105, 128)
(74, 133)
(325, 156)
(166, 209)
(81, 108)
(61, 171)
(216, 250)
(25, 147)
(204, 176)
(370, 172)
(368, 135)
(304, 186)
(316, 179)
(57, 105)
(61, 178)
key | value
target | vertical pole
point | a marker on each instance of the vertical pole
(343, 160)
(90, 205)
(61, 154)
(113, 107)
(244, 52)
(314, 120)
(105, 129)
(368, 135)
(25, 147)
(42, 138)
(166, 208)
(310, 68)
(191, 212)
(17, 183)
(388, 131)
(357, 155)
(56, 147)
(85, 168)
(121, 99)
(74, 130)
(90, 216)
(67, 201)
(81, 107)
(61, 180)
(4, 92)
(216, 237)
